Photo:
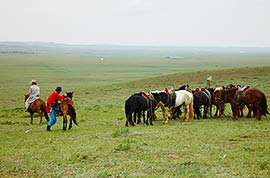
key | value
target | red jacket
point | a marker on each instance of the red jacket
(54, 98)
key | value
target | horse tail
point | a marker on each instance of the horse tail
(264, 106)
(43, 109)
(72, 113)
(46, 114)
(127, 109)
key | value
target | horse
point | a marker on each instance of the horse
(177, 111)
(227, 96)
(202, 98)
(255, 100)
(216, 98)
(67, 108)
(137, 104)
(37, 106)
(163, 98)
(185, 98)
(239, 100)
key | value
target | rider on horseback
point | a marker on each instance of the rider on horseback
(33, 92)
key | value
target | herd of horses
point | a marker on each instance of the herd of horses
(66, 108)
(192, 101)
(170, 101)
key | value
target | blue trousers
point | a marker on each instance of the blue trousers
(53, 115)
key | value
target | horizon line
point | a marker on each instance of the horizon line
(135, 45)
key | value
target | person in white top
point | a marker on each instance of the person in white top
(34, 93)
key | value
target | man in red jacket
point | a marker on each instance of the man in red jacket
(53, 106)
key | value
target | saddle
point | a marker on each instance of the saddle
(148, 95)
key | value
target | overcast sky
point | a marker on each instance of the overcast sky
(138, 22)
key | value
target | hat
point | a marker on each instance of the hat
(33, 81)
(58, 89)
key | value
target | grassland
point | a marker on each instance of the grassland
(101, 146)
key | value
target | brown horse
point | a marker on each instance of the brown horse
(67, 108)
(227, 96)
(224, 96)
(38, 106)
(255, 100)
(217, 100)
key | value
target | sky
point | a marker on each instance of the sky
(138, 22)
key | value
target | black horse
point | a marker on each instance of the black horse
(136, 104)
(201, 98)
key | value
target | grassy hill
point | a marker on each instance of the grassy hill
(102, 146)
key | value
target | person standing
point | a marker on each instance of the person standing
(34, 92)
(53, 106)
(208, 80)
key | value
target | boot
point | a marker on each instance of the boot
(49, 128)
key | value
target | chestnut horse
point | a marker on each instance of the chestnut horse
(255, 100)
(67, 108)
(217, 100)
(37, 106)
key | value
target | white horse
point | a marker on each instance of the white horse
(186, 98)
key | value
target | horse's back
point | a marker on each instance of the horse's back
(183, 96)
(64, 104)
(37, 105)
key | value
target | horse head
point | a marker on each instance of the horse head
(70, 94)
(26, 96)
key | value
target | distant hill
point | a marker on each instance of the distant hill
(171, 52)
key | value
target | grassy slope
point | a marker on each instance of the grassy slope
(101, 146)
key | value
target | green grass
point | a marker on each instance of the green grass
(101, 146)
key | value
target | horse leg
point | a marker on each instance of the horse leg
(249, 110)
(186, 113)
(235, 111)
(147, 117)
(197, 113)
(172, 113)
(139, 117)
(258, 112)
(64, 122)
(130, 118)
(210, 110)
(221, 110)
(40, 115)
(217, 108)
(134, 117)
(205, 111)
(151, 116)
(31, 118)
(165, 114)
